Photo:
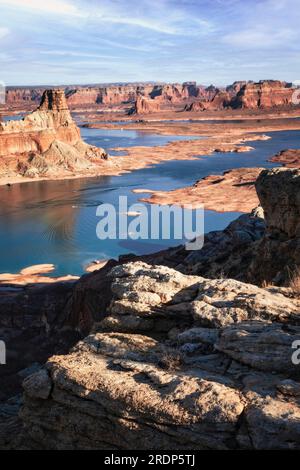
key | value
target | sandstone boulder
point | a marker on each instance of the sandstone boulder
(145, 105)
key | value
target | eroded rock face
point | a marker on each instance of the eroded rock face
(264, 94)
(174, 360)
(173, 365)
(33, 323)
(234, 190)
(278, 254)
(145, 105)
(188, 95)
(83, 97)
(263, 347)
(23, 96)
(247, 95)
(229, 252)
(220, 101)
(45, 141)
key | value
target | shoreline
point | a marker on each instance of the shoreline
(143, 157)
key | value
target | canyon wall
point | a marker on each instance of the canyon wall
(268, 94)
(188, 96)
(264, 94)
(24, 96)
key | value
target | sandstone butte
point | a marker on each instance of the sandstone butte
(46, 142)
(110, 95)
(177, 350)
(144, 105)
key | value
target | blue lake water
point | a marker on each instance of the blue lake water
(55, 221)
(14, 117)
(110, 138)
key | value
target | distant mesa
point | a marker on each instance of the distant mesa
(46, 142)
(144, 105)
(246, 95)
(145, 98)
(264, 94)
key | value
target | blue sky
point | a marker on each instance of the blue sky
(79, 41)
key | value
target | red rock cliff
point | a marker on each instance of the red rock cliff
(45, 140)
(145, 105)
(36, 132)
(264, 94)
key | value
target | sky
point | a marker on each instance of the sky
(59, 42)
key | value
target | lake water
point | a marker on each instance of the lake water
(14, 117)
(55, 221)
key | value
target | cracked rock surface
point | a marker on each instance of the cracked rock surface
(176, 362)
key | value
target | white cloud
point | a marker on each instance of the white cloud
(259, 39)
(66, 53)
(158, 16)
(3, 32)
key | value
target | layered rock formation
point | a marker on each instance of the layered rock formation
(144, 105)
(264, 94)
(83, 97)
(288, 158)
(220, 100)
(33, 323)
(45, 141)
(188, 96)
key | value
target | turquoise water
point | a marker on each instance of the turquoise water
(55, 221)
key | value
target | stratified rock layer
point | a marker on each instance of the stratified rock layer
(145, 105)
(45, 142)
(173, 365)
(264, 94)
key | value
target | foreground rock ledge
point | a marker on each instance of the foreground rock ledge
(179, 362)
